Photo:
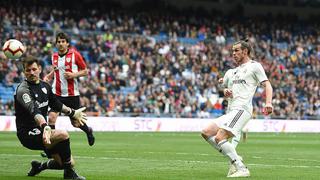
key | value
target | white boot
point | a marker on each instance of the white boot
(232, 167)
(241, 172)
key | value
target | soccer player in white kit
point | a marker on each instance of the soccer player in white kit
(241, 83)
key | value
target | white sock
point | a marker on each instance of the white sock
(212, 141)
(235, 141)
(229, 150)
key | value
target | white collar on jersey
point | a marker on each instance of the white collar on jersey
(250, 60)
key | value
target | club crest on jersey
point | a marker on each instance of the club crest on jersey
(44, 90)
(26, 98)
(68, 59)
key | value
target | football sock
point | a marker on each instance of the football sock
(84, 128)
(51, 164)
(235, 141)
(65, 153)
(228, 149)
(212, 141)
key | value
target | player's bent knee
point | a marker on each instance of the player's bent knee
(206, 133)
(65, 135)
(210, 130)
(62, 135)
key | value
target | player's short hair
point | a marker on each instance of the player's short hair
(29, 60)
(62, 35)
(244, 45)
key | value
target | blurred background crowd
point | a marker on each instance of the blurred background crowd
(147, 61)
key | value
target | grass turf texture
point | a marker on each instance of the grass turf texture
(170, 156)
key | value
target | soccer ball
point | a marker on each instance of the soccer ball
(13, 49)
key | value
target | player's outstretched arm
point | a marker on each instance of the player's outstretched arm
(77, 117)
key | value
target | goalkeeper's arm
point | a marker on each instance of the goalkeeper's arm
(75, 115)
(45, 128)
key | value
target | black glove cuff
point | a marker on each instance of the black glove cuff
(71, 113)
(43, 125)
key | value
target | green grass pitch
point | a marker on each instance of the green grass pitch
(169, 156)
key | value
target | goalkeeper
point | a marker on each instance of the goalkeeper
(32, 99)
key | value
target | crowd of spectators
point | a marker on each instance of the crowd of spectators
(152, 63)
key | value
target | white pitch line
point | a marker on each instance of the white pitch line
(282, 165)
(156, 160)
(288, 159)
(216, 155)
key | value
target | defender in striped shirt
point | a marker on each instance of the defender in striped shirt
(68, 66)
(241, 84)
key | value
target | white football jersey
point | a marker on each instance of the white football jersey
(243, 81)
(227, 84)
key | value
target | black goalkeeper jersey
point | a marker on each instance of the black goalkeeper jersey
(31, 99)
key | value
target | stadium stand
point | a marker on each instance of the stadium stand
(154, 63)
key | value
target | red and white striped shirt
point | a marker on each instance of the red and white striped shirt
(70, 62)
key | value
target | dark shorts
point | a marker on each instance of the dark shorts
(32, 139)
(71, 101)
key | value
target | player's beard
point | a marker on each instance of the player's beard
(238, 60)
(33, 79)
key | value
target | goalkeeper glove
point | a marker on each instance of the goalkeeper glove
(46, 133)
(79, 116)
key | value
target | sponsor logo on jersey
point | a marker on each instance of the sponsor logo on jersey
(43, 104)
(239, 81)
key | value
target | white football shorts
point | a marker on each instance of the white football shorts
(233, 121)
